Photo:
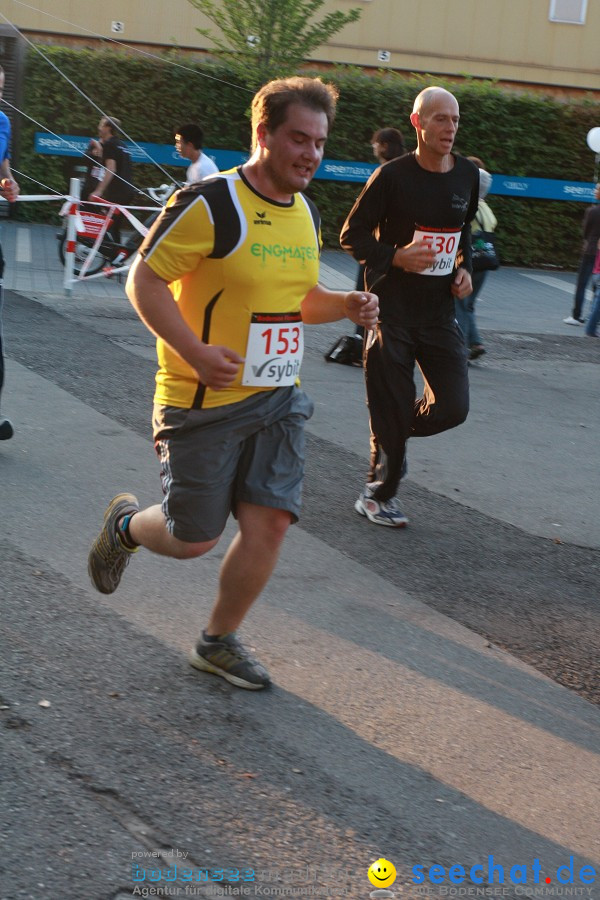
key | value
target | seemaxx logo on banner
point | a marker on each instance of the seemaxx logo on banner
(494, 873)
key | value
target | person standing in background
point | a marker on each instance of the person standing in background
(387, 143)
(188, 143)
(591, 236)
(591, 326)
(484, 220)
(116, 185)
(10, 191)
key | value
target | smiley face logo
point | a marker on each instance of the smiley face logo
(381, 873)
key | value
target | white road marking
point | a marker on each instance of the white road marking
(23, 248)
(553, 282)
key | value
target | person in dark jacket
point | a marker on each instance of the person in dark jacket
(591, 236)
(387, 144)
(410, 226)
(116, 185)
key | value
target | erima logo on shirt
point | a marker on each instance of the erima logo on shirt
(459, 203)
(261, 219)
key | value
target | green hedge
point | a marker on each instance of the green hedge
(522, 134)
(150, 98)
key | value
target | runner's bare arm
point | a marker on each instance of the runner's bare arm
(322, 305)
(110, 167)
(217, 366)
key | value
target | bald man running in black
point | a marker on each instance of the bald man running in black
(410, 226)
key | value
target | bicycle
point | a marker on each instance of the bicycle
(110, 252)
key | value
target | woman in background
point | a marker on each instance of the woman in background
(485, 220)
(387, 143)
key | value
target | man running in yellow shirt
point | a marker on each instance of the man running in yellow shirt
(226, 279)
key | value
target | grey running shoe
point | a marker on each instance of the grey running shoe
(229, 658)
(108, 558)
(381, 512)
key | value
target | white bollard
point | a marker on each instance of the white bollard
(74, 193)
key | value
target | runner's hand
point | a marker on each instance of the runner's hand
(362, 308)
(217, 366)
(9, 189)
(462, 285)
(414, 257)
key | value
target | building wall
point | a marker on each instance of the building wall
(510, 40)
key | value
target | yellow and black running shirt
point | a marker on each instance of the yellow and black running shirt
(228, 254)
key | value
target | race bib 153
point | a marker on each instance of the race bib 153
(274, 350)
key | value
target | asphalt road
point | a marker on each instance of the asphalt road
(536, 597)
(393, 730)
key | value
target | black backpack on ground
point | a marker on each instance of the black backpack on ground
(347, 351)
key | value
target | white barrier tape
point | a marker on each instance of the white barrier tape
(139, 226)
(37, 197)
(107, 272)
(117, 205)
(65, 210)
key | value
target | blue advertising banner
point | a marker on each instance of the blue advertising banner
(329, 170)
(71, 145)
(542, 188)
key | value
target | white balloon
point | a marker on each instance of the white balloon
(593, 139)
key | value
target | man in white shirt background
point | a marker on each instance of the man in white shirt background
(188, 143)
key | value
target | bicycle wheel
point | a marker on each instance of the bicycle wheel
(82, 251)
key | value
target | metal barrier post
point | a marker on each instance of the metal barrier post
(74, 193)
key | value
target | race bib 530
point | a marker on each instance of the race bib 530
(445, 244)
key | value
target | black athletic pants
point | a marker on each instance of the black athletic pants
(395, 412)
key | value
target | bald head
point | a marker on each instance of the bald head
(435, 118)
(428, 98)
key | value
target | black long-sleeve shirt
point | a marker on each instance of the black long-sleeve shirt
(402, 202)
